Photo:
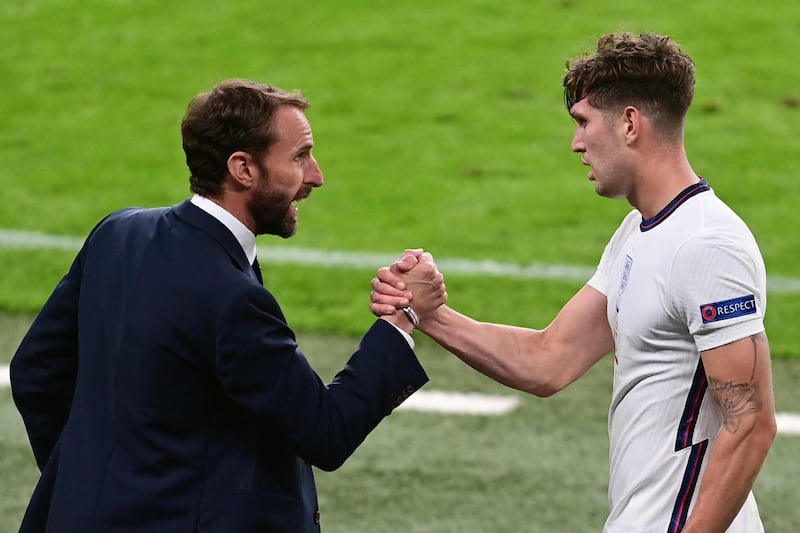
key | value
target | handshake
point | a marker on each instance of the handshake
(408, 292)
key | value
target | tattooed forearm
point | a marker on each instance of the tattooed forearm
(737, 399)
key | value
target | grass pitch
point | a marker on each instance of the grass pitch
(438, 125)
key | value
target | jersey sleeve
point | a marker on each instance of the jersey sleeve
(719, 290)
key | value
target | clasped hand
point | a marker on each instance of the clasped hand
(413, 280)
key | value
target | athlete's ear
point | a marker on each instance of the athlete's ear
(242, 168)
(631, 123)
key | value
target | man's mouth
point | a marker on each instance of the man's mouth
(298, 199)
(302, 194)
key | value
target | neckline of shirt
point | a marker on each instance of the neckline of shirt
(245, 237)
(680, 199)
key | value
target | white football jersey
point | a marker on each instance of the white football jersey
(687, 280)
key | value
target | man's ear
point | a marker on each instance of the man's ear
(242, 168)
(631, 124)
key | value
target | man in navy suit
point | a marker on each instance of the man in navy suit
(160, 385)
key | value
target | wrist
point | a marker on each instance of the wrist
(428, 321)
(411, 315)
(399, 320)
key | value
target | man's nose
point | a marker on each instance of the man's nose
(578, 145)
(314, 175)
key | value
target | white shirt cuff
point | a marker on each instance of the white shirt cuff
(409, 338)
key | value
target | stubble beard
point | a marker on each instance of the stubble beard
(272, 213)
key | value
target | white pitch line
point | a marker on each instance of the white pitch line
(5, 377)
(788, 423)
(17, 239)
(33, 240)
(459, 403)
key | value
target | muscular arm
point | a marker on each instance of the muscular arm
(541, 362)
(740, 382)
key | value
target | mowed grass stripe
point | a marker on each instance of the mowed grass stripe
(17, 239)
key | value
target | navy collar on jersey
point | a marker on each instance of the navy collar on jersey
(685, 194)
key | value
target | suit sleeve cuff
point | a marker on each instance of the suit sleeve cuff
(409, 339)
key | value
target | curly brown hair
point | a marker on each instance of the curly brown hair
(234, 115)
(649, 71)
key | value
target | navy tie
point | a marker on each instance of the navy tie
(257, 271)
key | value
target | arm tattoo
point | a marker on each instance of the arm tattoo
(737, 399)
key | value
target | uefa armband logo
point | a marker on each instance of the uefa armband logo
(714, 312)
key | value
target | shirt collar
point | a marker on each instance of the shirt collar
(688, 192)
(246, 238)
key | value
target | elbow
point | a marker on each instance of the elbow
(762, 435)
(763, 440)
(769, 431)
(334, 458)
(766, 430)
(545, 392)
(546, 378)
(543, 388)
(19, 381)
(331, 464)
(548, 369)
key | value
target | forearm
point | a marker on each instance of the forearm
(731, 471)
(541, 362)
(510, 355)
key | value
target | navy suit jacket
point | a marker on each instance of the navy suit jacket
(162, 389)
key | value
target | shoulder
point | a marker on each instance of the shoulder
(711, 231)
(717, 266)
(628, 227)
(704, 229)
(133, 213)
(613, 249)
(708, 214)
(631, 221)
(128, 216)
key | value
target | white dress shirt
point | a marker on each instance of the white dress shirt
(246, 238)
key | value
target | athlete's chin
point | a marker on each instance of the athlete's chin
(609, 193)
(600, 189)
(606, 191)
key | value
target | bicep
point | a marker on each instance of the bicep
(580, 335)
(740, 380)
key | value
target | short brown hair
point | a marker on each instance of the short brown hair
(649, 71)
(234, 115)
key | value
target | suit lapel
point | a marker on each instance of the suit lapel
(195, 216)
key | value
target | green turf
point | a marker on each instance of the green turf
(437, 124)
(541, 468)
